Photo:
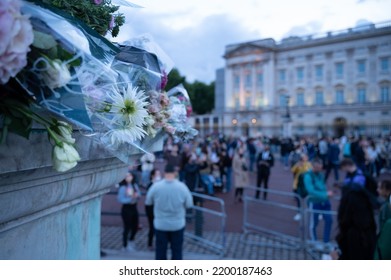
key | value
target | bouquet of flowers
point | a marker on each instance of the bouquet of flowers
(180, 108)
(56, 70)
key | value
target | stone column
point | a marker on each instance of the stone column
(45, 214)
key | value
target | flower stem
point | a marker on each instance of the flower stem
(54, 136)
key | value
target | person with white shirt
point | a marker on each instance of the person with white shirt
(170, 199)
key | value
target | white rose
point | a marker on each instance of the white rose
(66, 132)
(65, 158)
(57, 74)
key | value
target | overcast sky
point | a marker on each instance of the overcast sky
(194, 33)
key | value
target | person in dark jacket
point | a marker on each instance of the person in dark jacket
(358, 154)
(252, 152)
(226, 164)
(355, 178)
(155, 177)
(333, 159)
(286, 149)
(383, 244)
(265, 162)
(192, 174)
(357, 228)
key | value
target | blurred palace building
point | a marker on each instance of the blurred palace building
(328, 84)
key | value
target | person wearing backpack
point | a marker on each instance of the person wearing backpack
(356, 179)
(318, 200)
(298, 170)
(356, 237)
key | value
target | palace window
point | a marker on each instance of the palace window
(339, 97)
(339, 70)
(384, 64)
(385, 93)
(319, 72)
(300, 74)
(361, 95)
(361, 66)
(259, 80)
(282, 75)
(319, 99)
(300, 99)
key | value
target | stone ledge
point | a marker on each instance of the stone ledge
(45, 214)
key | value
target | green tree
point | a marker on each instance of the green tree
(202, 97)
(175, 78)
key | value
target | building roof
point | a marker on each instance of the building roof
(293, 42)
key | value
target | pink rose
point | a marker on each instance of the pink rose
(10, 65)
(16, 35)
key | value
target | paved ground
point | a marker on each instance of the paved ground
(266, 214)
(237, 248)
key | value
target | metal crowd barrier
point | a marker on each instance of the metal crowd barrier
(206, 223)
(318, 247)
(259, 217)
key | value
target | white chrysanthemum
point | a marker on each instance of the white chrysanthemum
(124, 135)
(129, 108)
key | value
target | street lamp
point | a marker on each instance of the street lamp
(287, 112)
(287, 121)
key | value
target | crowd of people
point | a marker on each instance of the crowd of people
(220, 163)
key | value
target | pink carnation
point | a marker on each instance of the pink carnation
(16, 35)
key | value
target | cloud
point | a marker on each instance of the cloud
(309, 28)
(197, 52)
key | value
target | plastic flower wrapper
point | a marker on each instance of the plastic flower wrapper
(63, 51)
(146, 43)
(151, 64)
(139, 67)
(130, 152)
(179, 109)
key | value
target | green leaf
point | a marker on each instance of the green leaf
(21, 126)
(43, 41)
(65, 56)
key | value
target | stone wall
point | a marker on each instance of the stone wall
(45, 214)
